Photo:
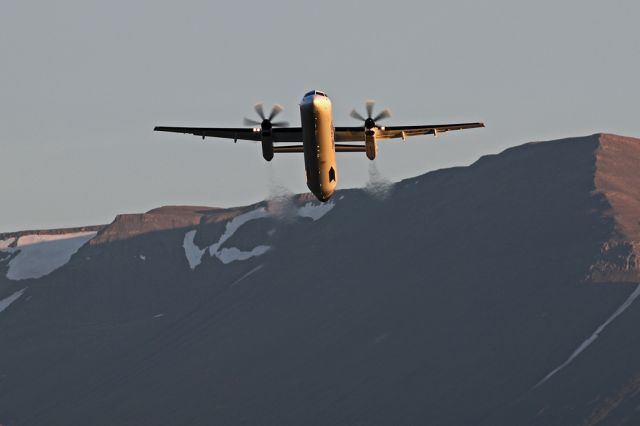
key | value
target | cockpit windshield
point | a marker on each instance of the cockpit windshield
(315, 92)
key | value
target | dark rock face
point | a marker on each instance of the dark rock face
(445, 302)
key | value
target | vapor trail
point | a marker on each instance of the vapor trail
(377, 186)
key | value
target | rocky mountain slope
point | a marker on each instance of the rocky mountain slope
(496, 294)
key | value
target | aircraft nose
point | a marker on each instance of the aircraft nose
(324, 197)
(326, 193)
(323, 194)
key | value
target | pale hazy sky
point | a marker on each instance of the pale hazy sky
(83, 83)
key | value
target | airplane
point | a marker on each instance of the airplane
(317, 137)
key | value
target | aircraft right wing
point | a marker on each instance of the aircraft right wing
(344, 134)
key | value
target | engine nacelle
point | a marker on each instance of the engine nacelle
(370, 144)
(267, 147)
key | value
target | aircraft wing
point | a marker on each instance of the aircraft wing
(344, 134)
(279, 134)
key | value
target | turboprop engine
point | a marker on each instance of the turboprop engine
(266, 125)
(370, 126)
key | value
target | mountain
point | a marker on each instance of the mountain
(496, 294)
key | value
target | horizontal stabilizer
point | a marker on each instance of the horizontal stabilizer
(350, 148)
(288, 149)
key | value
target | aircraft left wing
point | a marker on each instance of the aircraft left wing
(344, 134)
(280, 134)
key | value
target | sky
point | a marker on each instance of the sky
(83, 83)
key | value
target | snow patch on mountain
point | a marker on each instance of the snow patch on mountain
(5, 303)
(231, 254)
(192, 251)
(248, 274)
(39, 255)
(584, 345)
(228, 255)
(225, 255)
(4, 244)
(234, 224)
(315, 211)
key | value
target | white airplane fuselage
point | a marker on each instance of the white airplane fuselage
(319, 145)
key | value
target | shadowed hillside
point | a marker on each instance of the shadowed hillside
(495, 294)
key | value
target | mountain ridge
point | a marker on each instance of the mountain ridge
(465, 295)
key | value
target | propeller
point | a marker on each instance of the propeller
(370, 121)
(266, 123)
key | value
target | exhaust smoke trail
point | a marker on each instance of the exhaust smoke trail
(377, 186)
(279, 198)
